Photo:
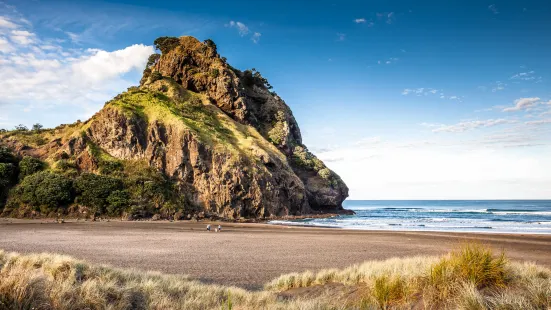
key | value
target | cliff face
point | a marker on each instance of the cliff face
(197, 67)
(229, 145)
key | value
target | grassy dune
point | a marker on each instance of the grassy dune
(470, 278)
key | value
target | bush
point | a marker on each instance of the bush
(153, 58)
(214, 73)
(6, 156)
(21, 127)
(472, 263)
(7, 173)
(210, 43)
(30, 165)
(155, 76)
(64, 165)
(110, 166)
(46, 189)
(93, 190)
(118, 201)
(166, 44)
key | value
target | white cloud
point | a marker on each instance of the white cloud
(470, 125)
(103, 65)
(242, 28)
(40, 74)
(422, 91)
(5, 46)
(256, 37)
(22, 37)
(75, 38)
(360, 20)
(539, 122)
(388, 17)
(498, 86)
(523, 104)
(6, 23)
(526, 76)
(493, 8)
(341, 36)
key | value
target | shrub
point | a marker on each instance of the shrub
(153, 58)
(93, 190)
(7, 172)
(37, 127)
(118, 201)
(210, 43)
(64, 165)
(30, 165)
(21, 127)
(155, 76)
(166, 44)
(46, 189)
(110, 166)
(6, 156)
(214, 73)
(472, 263)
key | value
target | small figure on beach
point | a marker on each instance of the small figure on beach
(219, 227)
(208, 227)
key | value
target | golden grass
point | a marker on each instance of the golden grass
(48, 281)
(472, 277)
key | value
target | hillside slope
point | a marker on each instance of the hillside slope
(214, 139)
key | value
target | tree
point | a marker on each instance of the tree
(155, 76)
(21, 127)
(93, 190)
(210, 43)
(46, 189)
(37, 127)
(166, 44)
(6, 156)
(30, 165)
(118, 201)
(7, 172)
(153, 58)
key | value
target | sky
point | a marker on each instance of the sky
(402, 99)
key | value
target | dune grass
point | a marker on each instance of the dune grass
(472, 277)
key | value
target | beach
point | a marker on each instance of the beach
(243, 255)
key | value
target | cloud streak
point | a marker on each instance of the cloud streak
(471, 125)
(523, 104)
(244, 30)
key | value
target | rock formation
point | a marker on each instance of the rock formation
(229, 145)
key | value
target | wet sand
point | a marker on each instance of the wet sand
(245, 255)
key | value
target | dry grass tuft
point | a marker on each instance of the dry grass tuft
(472, 277)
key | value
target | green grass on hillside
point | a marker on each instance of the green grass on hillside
(170, 104)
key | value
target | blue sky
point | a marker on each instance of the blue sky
(405, 100)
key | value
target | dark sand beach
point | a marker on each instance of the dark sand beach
(245, 255)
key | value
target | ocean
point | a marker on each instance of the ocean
(488, 216)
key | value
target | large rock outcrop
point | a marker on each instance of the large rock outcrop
(246, 98)
(230, 145)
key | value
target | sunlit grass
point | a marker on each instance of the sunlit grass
(472, 277)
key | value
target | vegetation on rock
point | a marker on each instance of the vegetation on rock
(196, 136)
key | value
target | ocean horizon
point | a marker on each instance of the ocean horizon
(483, 216)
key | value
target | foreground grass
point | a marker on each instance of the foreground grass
(472, 277)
